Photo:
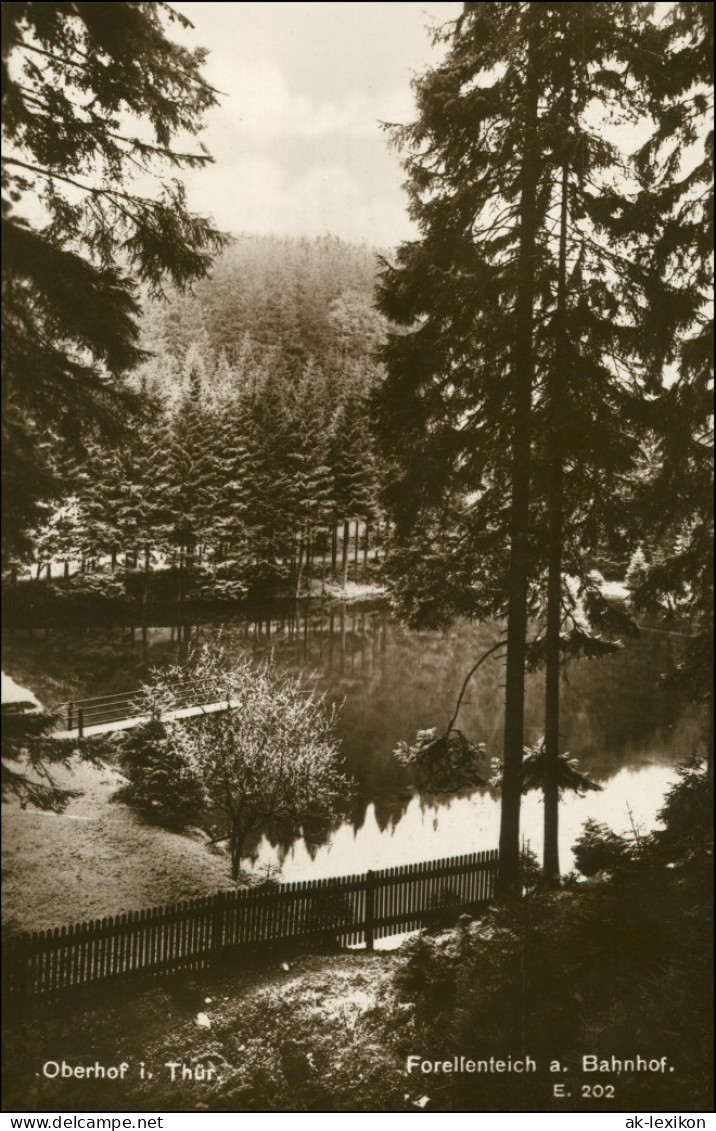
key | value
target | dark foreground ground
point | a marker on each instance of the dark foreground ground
(283, 1033)
(333, 1032)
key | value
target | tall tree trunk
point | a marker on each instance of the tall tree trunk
(145, 597)
(299, 566)
(555, 508)
(237, 848)
(508, 879)
(292, 563)
(344, 559)
(710, 739)
(334, 549)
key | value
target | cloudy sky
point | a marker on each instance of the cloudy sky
(297, 140)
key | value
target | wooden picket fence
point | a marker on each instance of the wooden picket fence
(350, 910)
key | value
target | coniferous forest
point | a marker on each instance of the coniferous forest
(249, 452)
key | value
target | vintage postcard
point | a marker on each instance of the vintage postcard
(357, 560)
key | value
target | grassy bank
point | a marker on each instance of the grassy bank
(97, 858)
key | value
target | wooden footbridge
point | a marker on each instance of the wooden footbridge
(126, 709)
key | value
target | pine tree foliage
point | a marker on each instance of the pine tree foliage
(94, 96)
(29, 755)
(444, 411)
(674, 497)
(526, 358)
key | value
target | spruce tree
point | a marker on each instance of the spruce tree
(232, 503)
(457, 403)
(193, 466)
(308, 469)
(80, 84)
(520, 371)
(590, 355)
(674, 498)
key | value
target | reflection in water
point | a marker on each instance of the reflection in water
(618, 720)
(467, 824)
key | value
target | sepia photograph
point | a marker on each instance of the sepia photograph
(357, 559)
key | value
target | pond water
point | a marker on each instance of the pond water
(626, 731)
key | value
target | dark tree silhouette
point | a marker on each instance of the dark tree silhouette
(525, 367)
(93, 96)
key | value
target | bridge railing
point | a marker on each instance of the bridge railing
(142, 701)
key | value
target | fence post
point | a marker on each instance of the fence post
(369, 909)
(48, 961)
(15, 972)
(26, 961)
(69, 714)
(80, 722)
(217, 922)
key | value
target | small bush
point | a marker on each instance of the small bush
(687, 811)
(162, 786)
(637, 570)
(599, 849)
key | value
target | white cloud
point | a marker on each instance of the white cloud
(296, 136)
(301, 164)
(255, 195)
(260, 107)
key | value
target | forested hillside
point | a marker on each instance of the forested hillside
(251, 442)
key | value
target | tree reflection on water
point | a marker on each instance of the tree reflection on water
(621, 722)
